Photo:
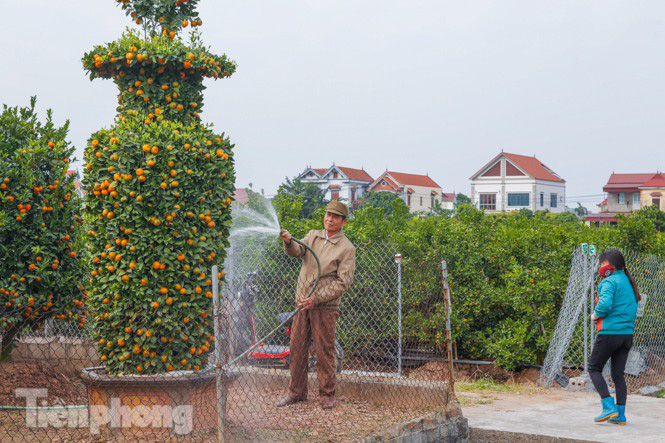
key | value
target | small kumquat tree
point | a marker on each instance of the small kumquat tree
(40, 273)
(158, 206)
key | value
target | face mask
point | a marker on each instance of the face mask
(606, 270)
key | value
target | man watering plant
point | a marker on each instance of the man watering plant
(318, 317)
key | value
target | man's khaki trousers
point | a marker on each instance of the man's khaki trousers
(317, 325)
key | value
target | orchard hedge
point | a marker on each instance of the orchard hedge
(508, 272)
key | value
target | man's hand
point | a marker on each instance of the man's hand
(307, 304)
(594, 317)
(285, 236)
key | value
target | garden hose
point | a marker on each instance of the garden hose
(288, 319)
(42, 408)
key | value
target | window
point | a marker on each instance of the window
(353, 195)
(553, 200)
(542, 199)
(636, 199)
(408, 200)
(518, 200)
(421, 201)
(432, 203)
(335, 174)
(334, 194)
(488, 202)
(622, 198)
(655, 202)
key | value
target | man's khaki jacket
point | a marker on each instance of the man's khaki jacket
(338, 263)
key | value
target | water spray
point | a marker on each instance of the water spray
(298, 309)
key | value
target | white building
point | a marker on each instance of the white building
(510, 182)
(419, 192)
(448, 201)
(339, 182)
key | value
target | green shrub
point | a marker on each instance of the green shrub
(40, 272)
(159, 185)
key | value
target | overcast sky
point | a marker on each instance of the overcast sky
(419, 86)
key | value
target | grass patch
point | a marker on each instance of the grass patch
(465, 401)
(486, 384)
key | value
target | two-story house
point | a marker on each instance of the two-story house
(511, 182)
(626, 193)
(623, 192)
(339, 182)
(419, 192)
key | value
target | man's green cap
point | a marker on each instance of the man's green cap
(339, 208)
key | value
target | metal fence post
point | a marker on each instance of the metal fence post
(218, 356)
(589, 329)
(48, 326)
(229, 267)
(398, 260)
(449, 335)
(586, 321)
(592, 298)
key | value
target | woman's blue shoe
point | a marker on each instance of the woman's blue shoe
(609, 410)
(621, 419)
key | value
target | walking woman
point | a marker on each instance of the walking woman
(616, 309)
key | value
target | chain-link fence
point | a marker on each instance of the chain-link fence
(572, 341)
(351, 372)
(294, 386)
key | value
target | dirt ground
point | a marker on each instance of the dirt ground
(255, 415)
(66, 389)
(62, 389)
(250, 418)
(251, 414)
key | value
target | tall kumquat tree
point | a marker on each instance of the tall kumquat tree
(159, 185)
(40, 273)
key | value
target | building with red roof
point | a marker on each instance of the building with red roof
(448, 200)
(419, 192)
(628, 193)
(340, 182)
(602, 206)
(510, 182)
(77, 181)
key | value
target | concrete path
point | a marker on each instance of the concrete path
(569, 415)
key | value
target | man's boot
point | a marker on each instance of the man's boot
(288, 401)
(328, 402)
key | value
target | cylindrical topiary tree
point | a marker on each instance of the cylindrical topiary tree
(159, 185)
(40, 273)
